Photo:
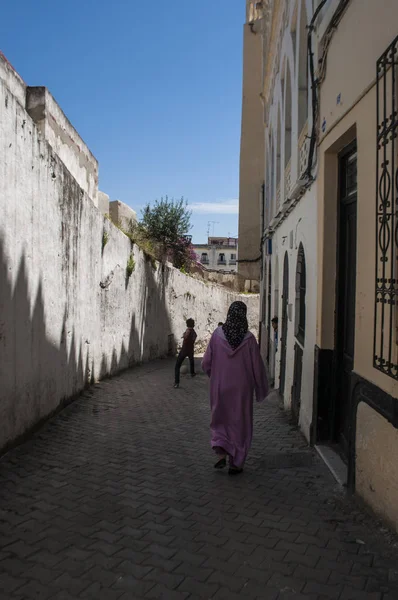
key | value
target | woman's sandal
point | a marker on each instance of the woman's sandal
(221, 463)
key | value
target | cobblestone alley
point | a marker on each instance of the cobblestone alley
(117, 499)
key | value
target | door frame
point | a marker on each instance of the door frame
(336, 367)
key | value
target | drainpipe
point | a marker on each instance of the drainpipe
(316, 82)
(314, 93)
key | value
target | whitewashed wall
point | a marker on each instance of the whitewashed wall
(288, 108)
(69, 315)
(290, 214)
(301, 225)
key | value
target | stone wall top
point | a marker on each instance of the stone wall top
(64, 139)
(13, 81)
(121, 213)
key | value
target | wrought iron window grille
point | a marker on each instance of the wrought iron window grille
(385, 354)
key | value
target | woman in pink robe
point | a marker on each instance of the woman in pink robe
(236, 370)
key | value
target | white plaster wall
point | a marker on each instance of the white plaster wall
(285, 60)
(302, 223)
(206, 303)
(69, 315)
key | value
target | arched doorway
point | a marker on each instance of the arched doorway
(269, 310)
(299, 330)
(301, 289)
(285, 304)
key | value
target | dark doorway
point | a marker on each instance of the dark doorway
(297, 378)
(285, 304)
(345, 294)
(262, 323)
(269, 310)
(300, 320)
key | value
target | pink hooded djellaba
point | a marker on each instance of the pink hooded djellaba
(235, 376)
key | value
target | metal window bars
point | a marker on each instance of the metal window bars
(385, 357)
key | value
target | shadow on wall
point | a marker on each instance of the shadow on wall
(150, 327)
(38, 375)
(157, 338)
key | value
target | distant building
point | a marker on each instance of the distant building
(219, 254)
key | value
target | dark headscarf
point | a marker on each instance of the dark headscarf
(236, 325)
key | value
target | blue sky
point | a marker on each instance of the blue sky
(153, 87)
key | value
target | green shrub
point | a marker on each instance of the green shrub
(105, 239)
(130, 268)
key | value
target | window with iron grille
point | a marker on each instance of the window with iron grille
(385, 356)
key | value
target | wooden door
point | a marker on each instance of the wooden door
(346, 292)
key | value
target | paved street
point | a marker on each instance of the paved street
(116, 499)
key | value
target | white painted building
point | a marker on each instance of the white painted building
(289, 223)
(219, 254)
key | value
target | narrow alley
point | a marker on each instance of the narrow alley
(116, 499)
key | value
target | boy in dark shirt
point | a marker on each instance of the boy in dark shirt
(187, 350)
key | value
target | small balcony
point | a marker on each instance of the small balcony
(204, 261)
(232, 261)
(222, 261)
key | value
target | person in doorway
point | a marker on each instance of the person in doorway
(187, 351)
(236, 370)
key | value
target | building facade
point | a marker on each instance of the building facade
(219, 254)
(330, 228)
(288, 211)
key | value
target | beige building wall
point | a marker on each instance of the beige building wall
(377, 464)
(348, 112)
(252, 158)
